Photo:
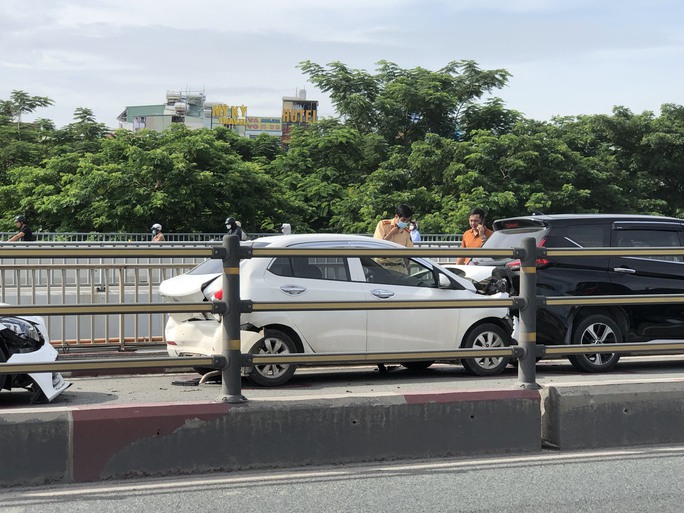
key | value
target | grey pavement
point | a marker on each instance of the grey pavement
(330, 382)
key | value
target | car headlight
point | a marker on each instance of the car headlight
(24, 334)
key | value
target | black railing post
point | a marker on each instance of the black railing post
(231, 387)
(527, 377)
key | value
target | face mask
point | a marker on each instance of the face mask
(402, 224)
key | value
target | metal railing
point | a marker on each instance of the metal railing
(93, 237)
(232, 360)
(51, 274)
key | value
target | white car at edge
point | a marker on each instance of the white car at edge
(25, 340)
(324, 279)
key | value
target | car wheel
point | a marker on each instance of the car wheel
(481, 337)
(416, 366)
(272, 374)
(596, 329)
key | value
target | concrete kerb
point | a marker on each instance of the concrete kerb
(613, 415)
(107, 442)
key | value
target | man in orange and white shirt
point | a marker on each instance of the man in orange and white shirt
(477, 235)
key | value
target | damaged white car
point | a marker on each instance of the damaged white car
(25, 340)
(338, 278)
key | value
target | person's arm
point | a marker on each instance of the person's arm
(378, 231)
(16, 237)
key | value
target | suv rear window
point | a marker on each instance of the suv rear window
(505, 238)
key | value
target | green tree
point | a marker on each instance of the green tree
(404, 105)
(322, 162)
(20, 103)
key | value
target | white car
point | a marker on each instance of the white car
(25, 340)
(323, 279)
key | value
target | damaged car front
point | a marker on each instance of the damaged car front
(24, 340)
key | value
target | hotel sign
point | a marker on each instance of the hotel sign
(299, 116)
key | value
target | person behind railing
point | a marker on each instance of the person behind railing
(24, 234)
(244, 235)
(286, 228)
(396, 230)
(477, 235)
(157, 235)
(415, 234)
(233, 228)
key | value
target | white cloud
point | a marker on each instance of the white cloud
(566, 57)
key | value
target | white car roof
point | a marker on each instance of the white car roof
(281, 241)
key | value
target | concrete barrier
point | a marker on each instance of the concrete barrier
(105, 442)
(596, 416)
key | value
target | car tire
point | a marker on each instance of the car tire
(481, 337)
(596, 329)
(272, 375)
(416, 366)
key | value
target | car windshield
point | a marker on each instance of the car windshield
(508, 239)
(215, 265)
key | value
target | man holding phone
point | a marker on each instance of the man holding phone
(477, 235)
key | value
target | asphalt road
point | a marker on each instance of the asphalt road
(640, 479)
(339, 381)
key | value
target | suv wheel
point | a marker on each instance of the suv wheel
(596, 329)
(272, 374)
(484, 336)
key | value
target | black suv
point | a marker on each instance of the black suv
(590, 276)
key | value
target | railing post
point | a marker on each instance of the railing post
(231, 386)
(528, 316)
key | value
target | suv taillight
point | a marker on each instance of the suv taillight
(514, 265)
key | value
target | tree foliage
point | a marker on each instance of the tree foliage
(432, 139)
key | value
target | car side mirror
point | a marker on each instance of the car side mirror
(444, 281)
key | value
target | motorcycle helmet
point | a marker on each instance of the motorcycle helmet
(20, 219)
(230, 221)
(157, 226)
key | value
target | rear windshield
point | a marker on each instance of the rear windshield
(508, 239)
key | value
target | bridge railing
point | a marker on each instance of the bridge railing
(231, 252)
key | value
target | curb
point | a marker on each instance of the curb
(114, 442)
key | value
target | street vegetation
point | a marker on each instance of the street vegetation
(440, 141)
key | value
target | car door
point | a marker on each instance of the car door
(411, 328)
(650, 275)
(317, 280)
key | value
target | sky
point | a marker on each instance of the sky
(566, 57)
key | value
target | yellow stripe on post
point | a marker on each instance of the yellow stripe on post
(234, 345)
(528, 269)
(529, 337)
(231, 270)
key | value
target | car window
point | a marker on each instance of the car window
(580, 236)
(402, 271)
(327, 268)
(211, 266)
(649, 239)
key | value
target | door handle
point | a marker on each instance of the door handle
(293, 290)
(382, 293)
(625, 270)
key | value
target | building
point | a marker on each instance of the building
(187, 107)
(192, 109)
(297, 111)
